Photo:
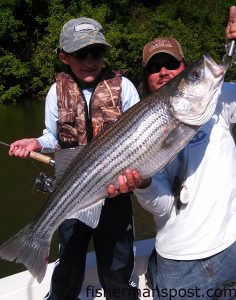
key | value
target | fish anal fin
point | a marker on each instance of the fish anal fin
(90, 216)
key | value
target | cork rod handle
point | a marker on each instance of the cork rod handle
(42, 158)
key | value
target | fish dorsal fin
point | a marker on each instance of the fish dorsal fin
(90, 216)
(63, 158)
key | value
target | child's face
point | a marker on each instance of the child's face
(86, 64)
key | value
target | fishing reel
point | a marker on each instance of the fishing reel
(43, 183)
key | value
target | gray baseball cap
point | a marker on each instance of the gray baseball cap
(81, 32)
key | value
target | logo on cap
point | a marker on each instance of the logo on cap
(85, 27)
(160, 43)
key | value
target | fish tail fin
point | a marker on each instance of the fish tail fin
(28, 248)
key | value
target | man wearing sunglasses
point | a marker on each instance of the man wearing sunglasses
(163, 59)
(83, 102)
(195, 247)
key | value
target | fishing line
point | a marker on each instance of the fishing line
(4, 144)
(43, 183)
(34, 164)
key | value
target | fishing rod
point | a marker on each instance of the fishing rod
(37, 156)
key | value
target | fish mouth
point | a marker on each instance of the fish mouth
(212, 79)
(217, 70)
(219, 74)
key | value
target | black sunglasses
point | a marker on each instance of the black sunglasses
(96, 52)
(155, 67)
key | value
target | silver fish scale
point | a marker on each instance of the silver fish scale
(131, 142)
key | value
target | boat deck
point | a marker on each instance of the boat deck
(22, 286)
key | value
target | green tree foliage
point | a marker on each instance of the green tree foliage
(18, 34)
(29, 35)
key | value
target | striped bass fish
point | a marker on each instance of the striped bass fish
(146, 138)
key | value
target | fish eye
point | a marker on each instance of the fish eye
(195, 75)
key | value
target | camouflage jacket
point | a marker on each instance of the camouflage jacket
(77, 124)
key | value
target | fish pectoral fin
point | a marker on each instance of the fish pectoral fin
(91, 215)
(63, 158)
(171, 138)
(175, 136)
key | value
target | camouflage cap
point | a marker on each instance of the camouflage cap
(162, 44)
(81, 32)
